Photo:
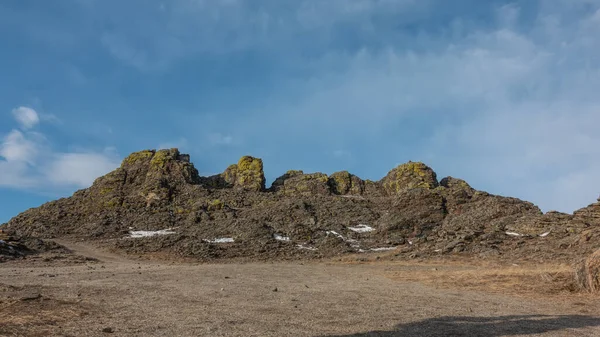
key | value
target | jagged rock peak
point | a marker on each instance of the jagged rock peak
(157, 158)
(407, 176)
(247, 174)
(167, 163)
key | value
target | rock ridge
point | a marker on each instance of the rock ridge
(161, 196)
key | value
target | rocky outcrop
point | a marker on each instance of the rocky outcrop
(590, 214)
(306, 184)
(302, 215)
(408, 176)
(345, 183)
(247, 175)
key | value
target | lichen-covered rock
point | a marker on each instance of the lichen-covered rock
(345, 183)
(280, 181)
(302, 215)
(306, 184)
(247, 174)
(407, 176)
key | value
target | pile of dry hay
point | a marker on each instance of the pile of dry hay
(587, 273)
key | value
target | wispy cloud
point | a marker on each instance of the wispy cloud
(513, 108)
(501, 93)
(27, 160)
(26, 117)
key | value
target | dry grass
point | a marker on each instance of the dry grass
(514, 279)
(587, 274)
(482, 275)
(18, 316)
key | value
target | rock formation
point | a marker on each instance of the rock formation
(157, 202)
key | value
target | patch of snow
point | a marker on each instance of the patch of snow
(221, 240)
(513, 234)
(437, 250)
(335, 234)
(382, 249)
(544, 234)
(361, 229)
(307, 247)
(281, 238)
(147, 234)
(409, 242)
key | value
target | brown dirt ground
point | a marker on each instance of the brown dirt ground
(368, 297)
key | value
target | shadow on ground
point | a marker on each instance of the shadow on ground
(486, 326)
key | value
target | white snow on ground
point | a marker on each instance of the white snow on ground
(306, 247)
(361, 229)
(281, 238)
(221, 240)
(544, 234)
(382, 249)
(513, 234)
(335, 234)
(146, 234)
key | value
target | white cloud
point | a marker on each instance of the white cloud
(512, 110)
(27, 161)
(78, 169)
(26, 117)
(16, 147)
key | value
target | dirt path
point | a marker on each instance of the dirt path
(87, 250)
(128, 298)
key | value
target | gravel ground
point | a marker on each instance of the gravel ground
(117, 296)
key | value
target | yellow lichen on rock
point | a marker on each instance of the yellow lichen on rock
(345, 183)
(410, 175)
(247, 174)
(137, 157)
(215, 205)
(162, 157)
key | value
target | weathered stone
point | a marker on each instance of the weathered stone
(156, 190)
(307, 184)
(345, 183)
(247, 174)
(280, 181)
(407, 176)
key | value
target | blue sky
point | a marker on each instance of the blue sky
(501, 93)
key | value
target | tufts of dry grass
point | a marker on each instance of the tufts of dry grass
(482, 275)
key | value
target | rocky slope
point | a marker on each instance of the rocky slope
(157, 202)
